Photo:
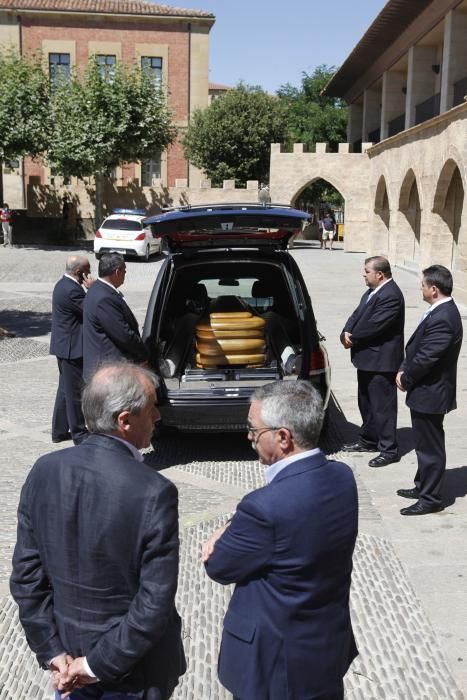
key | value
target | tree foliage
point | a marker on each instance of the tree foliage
(103, 119)
(312, 116)
(24, 108)
(99, 121)
(231, 139)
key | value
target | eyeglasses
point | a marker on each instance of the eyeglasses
(257, 432)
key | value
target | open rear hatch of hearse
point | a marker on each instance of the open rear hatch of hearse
(228, 225)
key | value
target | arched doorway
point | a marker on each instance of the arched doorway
(447, 246)
(379, 241)
(318, 196)
(409, 206)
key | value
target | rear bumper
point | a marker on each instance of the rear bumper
(205, 415)
(137, 248)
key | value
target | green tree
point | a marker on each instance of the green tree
(24, 109)
(231, 139)
(312, 116)
(103, 119)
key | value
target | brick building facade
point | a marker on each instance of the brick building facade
(171, 42)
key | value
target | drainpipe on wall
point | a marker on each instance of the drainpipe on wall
(23, 182)
(189, 97)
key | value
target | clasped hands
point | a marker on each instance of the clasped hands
(69, 674)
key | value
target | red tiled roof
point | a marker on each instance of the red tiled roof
(120, 7)
(218, 86)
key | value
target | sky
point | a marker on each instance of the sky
(272, 42)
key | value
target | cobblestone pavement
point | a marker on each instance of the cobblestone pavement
(408, 594)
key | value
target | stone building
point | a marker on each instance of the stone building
(403, 171)
(172, 43)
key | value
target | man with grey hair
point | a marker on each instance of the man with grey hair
(96, 561)
(287, 631)
(110, 330)
(66, 343)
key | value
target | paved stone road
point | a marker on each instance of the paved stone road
(409, 586)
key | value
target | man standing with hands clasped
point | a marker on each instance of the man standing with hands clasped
(287, 631)
(428, 375)
(374, 334)
(95, 565)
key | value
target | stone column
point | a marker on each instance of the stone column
(393, 99)
(420, 79)
(454, 66)
(371, 112)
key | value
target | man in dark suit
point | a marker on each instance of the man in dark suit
(287, 631)
(66, 343)
(110, 330)
(96, 561)
(374, 333)
(428, 375)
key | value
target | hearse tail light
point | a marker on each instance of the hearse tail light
(318, 362)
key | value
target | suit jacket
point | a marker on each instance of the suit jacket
(95, 566)
(430, 366)
(377, 328)
(66, 340)
(287, 631)
(110, 330)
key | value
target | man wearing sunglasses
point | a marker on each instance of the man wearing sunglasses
(287, 631)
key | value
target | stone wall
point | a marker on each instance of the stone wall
(45, 223)
(416, 196)
(348, 172)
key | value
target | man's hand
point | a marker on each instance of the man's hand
(398, 381)
(88, 281)
(208, 547)
(59, 670)
(346, 339)
(74, 677)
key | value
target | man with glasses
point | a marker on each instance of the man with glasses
(287, 631)
(110, 329)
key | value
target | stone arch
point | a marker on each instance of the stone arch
(448, 207)
(410, 221)
(378, 239)
(381, 206)
(300, 185)
(311, 231)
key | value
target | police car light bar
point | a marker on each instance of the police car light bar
(137, 212)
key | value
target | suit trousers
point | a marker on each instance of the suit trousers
(377, 401)
(430, 448)
(67, 415)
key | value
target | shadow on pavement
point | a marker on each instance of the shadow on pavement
(183, 448)
(454, 485)
(26, 324)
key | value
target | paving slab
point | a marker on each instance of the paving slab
(408, 598)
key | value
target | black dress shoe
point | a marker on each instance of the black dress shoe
(357, 447)
(420, 508)
(409, 493)
(383, 460)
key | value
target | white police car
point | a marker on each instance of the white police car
(123, 232)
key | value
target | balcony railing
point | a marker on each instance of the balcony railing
(427, 109)
(460, 90)
(396, 125)
(374, 136)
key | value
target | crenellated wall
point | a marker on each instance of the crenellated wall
(348, 172)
